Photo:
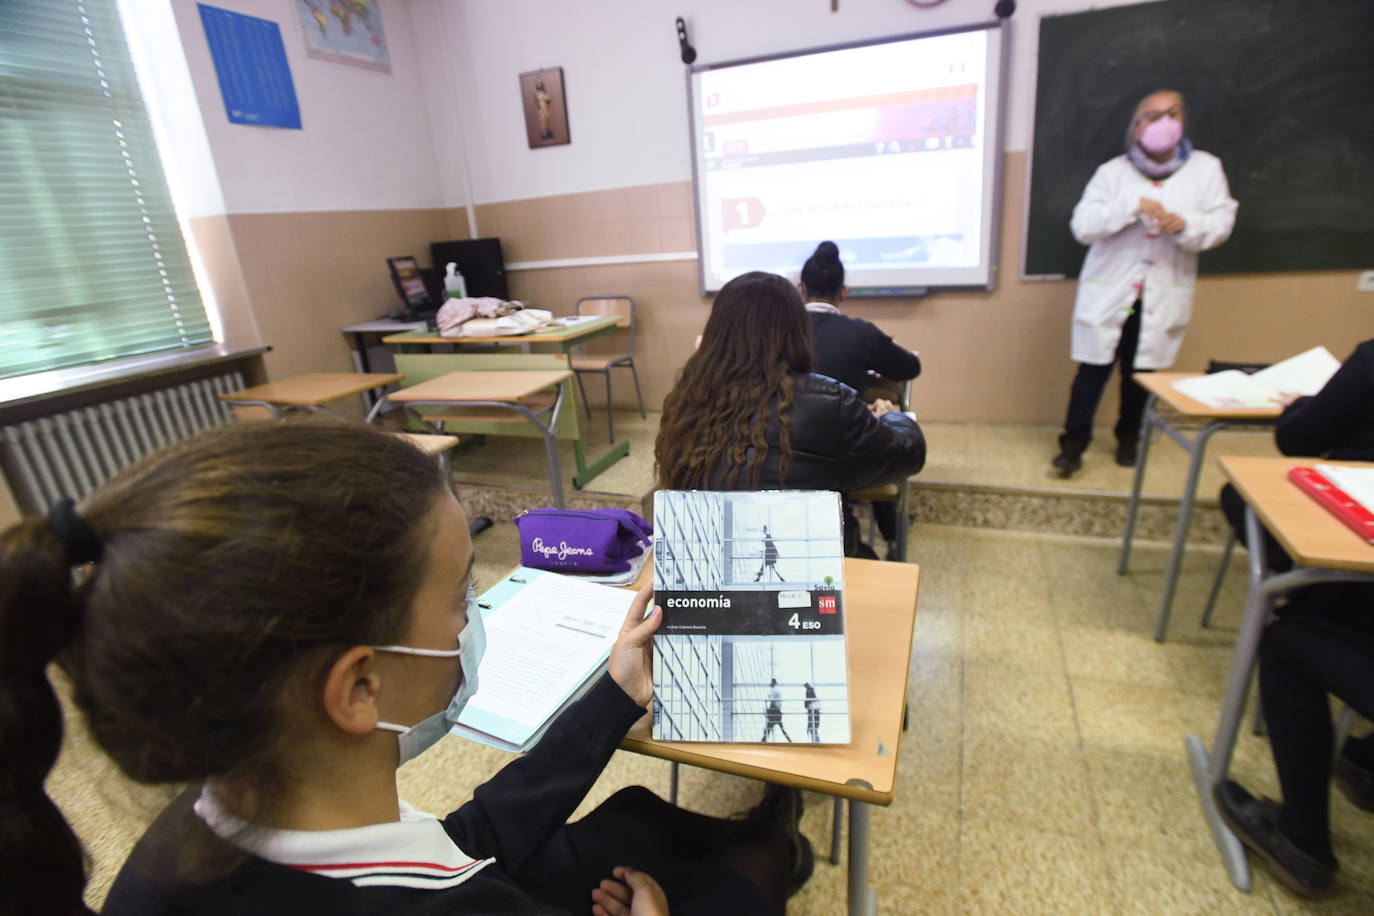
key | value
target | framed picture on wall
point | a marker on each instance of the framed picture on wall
(546, 107)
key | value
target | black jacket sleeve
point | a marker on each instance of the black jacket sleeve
(1336, 417)
(890, 359)
(875, 450)
(517, 810)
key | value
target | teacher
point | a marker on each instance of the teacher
(1145, 215)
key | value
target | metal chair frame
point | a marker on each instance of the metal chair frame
(624, 361)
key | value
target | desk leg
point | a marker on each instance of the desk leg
(360, 347)
(836, 825)
(863, 900)
(1133, 507)
(586, 472)
(1196, 449)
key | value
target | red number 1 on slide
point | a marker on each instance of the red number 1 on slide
(741, 212)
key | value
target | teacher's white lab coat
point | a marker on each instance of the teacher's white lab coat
(1123, 261)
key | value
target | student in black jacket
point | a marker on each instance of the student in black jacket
(1337, 423)
(848, 349)
(1322, 643)
(748, 413)
(245, 614)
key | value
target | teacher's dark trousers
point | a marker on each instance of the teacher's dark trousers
(1091, 381)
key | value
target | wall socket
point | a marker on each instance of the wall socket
(1365, 284)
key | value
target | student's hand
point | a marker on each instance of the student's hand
(1152, 209)
(1171, 224)
(881, 406)
(631, 662)
(629, 893)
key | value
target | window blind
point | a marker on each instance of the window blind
(92, 262)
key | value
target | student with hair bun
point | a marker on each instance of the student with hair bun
(847, 349)
(244, 614)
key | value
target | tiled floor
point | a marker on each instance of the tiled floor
(1043, 771)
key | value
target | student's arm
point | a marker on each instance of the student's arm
(516, 811)
(1330, 418)
(1209, 222)
(876, 450)
(1103, 211)
(889, 358)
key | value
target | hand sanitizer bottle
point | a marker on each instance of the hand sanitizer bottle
(454, 286)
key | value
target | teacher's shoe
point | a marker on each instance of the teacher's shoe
(1126, 451)
(1070, 457)
(1255, 822)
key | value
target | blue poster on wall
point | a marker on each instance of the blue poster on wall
(250, 61)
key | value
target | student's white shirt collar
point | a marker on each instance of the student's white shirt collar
(414, 851)
(819, 306)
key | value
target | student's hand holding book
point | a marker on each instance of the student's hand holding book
(631, 661)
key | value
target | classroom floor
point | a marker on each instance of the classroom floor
(1043, 771)
(973, 454)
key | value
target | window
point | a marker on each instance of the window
(92, 262)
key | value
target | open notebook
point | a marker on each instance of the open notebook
(1304, 374)
(548, 638)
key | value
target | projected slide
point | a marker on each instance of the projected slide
(885, 149)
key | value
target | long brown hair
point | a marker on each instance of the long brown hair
(757, 339)
(234, 565)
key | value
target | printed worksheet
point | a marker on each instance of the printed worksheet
(545, 640)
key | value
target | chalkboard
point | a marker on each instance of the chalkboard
(1281, 90)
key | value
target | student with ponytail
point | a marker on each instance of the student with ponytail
(247, 615)
(848, 349)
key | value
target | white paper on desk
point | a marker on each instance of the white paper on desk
(1304, 374)
(542, 645)
(1357, 483)
(1229, 389)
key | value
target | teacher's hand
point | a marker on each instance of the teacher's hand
(1172, 224)
(631, 661)
(1153, 209)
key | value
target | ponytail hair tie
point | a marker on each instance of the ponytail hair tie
(81, 543)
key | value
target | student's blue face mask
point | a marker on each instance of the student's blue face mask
(472, 642)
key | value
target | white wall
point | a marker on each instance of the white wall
(365, 142)
(626, 89)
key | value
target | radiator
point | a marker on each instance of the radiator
(70, 454)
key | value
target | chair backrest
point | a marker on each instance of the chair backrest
(622, 306)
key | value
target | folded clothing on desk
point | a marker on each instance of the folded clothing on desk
(486, 316)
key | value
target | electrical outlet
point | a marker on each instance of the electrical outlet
(1365, 283)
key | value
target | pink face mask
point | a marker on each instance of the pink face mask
(1162, 135)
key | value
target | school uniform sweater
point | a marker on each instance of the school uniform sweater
(418, 865)
(848, 348)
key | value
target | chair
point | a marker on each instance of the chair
(900, 394)
(583, 362)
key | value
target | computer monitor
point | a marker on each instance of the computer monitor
(410, 284)
(478, 260)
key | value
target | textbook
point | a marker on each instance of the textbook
(1302, 375)
(548, 638)
(1347, 493)
(752, 645)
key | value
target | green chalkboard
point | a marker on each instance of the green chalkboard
(1281, 90)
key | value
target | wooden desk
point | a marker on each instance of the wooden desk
(1324, 549)
(1159, 385)
(309, 392)
(494, 397)
(571, 334)
(880, 614)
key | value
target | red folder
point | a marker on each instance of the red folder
(1354, 514)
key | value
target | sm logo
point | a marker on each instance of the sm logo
(827, 604)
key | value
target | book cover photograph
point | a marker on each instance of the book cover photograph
(752, 647)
